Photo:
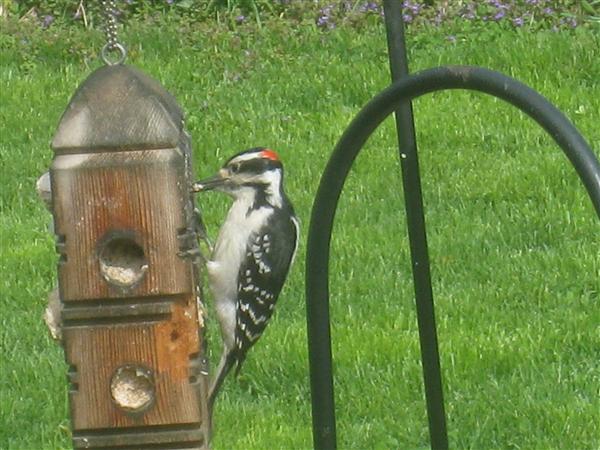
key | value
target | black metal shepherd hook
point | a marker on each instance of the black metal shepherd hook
(397, 99)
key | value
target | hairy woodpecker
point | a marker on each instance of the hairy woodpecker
(253, 252)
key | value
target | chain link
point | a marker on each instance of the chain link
(110, 27)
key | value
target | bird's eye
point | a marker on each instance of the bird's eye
(235, 168)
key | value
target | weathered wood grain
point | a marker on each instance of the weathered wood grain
(128, 268)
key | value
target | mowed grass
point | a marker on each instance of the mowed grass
(513, 237)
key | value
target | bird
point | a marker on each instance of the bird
(252, 255)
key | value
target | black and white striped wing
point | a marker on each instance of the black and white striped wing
(261, 278)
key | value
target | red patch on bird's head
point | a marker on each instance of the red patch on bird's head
(269, 154)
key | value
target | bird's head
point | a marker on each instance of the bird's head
(255, 170)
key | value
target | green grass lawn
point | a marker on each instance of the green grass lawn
(513, 237)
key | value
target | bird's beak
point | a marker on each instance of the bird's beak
(214, 182)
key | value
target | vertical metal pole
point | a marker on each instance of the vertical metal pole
(320, 358)
(416, 231)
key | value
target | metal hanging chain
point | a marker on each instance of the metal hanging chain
(110, 27)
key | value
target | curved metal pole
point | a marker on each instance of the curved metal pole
(334, 176)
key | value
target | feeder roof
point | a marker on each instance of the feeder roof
(119, 108)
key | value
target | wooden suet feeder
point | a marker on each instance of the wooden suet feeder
(131, 306)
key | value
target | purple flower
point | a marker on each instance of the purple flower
(47, 21)
(170, 2)
(324, 20)
(569, 21)
(240, 19)
(548, 11)
(518, 21)
(499, 15)
(368, 7)
(415, 9)
(407, 18)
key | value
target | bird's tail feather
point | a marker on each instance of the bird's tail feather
(225, 365)
(239, 360)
